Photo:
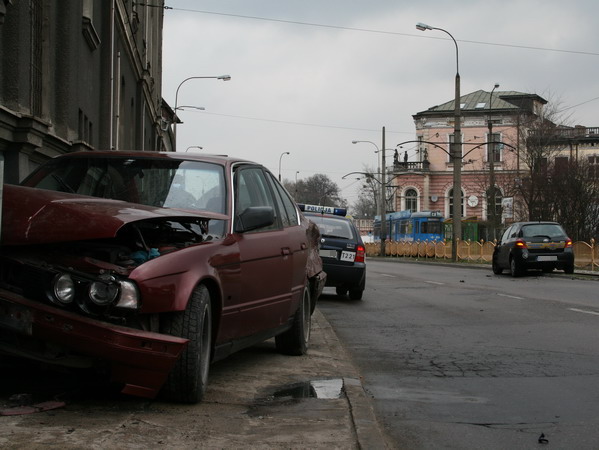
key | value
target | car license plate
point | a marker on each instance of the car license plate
(547, 258)
(348, 256)
(15, 317)
(328, 254)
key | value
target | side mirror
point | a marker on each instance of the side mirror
(254, 217)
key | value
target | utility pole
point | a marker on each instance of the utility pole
(383, 198)
(491, 158)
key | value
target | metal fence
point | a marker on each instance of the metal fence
(586, 254)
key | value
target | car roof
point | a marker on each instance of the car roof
(539, 222)
(329, 216)
(180, 156)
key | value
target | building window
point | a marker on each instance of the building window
(494, 147)
(411, 200)
(594, 166)
(450, 204)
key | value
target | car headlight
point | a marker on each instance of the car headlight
(129, 297)
(103, 292)
(64, 288)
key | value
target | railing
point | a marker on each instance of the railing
(586, 255)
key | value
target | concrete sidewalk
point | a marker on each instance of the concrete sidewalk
(256, 399)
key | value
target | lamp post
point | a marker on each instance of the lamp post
(383, 202)
(194, 146)
(219, 77)
(281, 157)
(456, 151)
(491, 157)
(296, 174)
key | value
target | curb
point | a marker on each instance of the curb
(368, 432)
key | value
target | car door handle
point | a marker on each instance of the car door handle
(285, 251)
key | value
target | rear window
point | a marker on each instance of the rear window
(332, 227)
(549, 230)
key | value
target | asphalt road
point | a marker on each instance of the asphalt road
(459, 358)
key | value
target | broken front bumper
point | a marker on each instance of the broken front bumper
(141, 360)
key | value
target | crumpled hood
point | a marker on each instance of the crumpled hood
(36, 216)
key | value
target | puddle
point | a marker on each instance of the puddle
(323, 389)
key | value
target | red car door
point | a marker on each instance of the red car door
(266, 263)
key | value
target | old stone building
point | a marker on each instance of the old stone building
(79, 75)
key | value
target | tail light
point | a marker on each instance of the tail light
(520, 244)
(568, 243)
(360, 253)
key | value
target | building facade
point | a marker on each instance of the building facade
(79, 75)
(492, 126)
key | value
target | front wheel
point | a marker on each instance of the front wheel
(569, 269)
(295, 340)
(188, 380)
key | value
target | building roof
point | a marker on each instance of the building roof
(479, 101)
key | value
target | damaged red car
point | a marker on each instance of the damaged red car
(154, 265)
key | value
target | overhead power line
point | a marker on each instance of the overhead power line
(393, 33)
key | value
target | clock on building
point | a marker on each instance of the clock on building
(472, 201)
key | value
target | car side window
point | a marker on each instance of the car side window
(506, 235)
(251, 189)
(286, 204)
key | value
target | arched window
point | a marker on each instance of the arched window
(450, 204)
(411, 200)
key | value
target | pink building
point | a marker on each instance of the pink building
(422, 169)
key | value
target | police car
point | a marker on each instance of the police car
(341, 249)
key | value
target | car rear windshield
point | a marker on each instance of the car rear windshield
(333, 227)
(550, 230)
(153, 182)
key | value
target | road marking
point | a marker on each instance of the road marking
(595, 313)
(510, 296)
(435, 282)
(387, 275)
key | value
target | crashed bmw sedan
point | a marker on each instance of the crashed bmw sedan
(154, 265)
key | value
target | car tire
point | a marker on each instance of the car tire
(569, 269)
(515, 270)
(188, 379)
(356, 294)
(295, 341)
(341, 291)
(497, 270)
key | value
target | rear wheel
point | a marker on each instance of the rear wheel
(497, 270)
(341, 291)
(515, 269)
(356, 294)
(295, 340)
(569, 269)
(188, 380)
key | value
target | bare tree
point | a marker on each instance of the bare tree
(318, 189)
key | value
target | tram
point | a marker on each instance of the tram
(411, 226)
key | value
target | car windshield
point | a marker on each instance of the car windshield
(332, 227)
(153, 182)
(549, 230)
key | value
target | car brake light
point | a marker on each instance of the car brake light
(568, 243)
(360, 253)
(520, 244)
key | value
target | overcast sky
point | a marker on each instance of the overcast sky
(310, 76)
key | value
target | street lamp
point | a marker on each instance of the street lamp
(281, 157)
(456, 151)
(296, 174)
(219, 77)
(491, 157)
(194, 146)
